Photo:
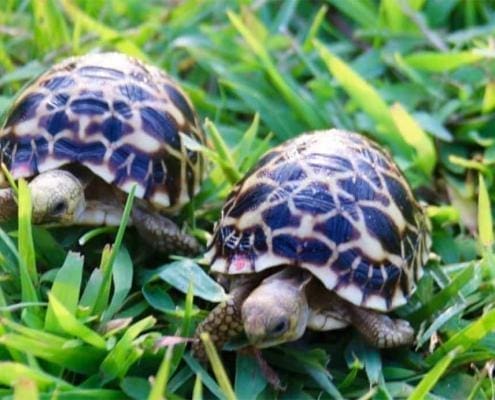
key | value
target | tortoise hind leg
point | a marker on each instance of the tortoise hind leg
(380, 330)
(162, 234)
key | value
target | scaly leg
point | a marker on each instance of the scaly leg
(161, 233)
(224, 322)
(380, 330)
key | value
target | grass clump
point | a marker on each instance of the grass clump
(89, 320)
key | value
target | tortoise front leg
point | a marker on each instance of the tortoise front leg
(8, 205)
(223, 323)
(162, 234)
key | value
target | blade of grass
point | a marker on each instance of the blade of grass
(108, 261)
(467, 337)
(485, 221)
(65, 289)
(432, 377)
(123, 272)
(50, 28)
(26, 245)
(125, 352)
(63, 353)
(159, 387)
(25, 389)
(72, 326)
(107, 34)
(207, 380)
(197, 388)
(313, 29)
(218, 368)
(11, 372)
(414, 135)
(229, 168)
(488, 98)
(27, 260)
(295, 100)
(366, 97)
(442, 62)
(364, 13)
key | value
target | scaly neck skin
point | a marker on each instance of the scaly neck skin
(8, 205)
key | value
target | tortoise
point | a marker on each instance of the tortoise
(88, 130)
(322, 233)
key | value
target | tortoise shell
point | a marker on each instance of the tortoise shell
(331, 202)
(121, 118)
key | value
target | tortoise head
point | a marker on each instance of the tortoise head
(277, 310)
(57, 196)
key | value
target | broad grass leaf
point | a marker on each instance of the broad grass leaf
(25, 389)
(158, 298)
(11, 372)
(180, 274)
(249, 380)
(467, 337)
(123, 272)
(9, 256)
(485, 220)
(107, 34)
(135, 387)
(50, 28)
(205, 377)
(364, 13)
(65, 289)
(296, 101)
(366, 97)
(65, 353)
(432, 377)
(413, 134)
(126, 352)
(442, 62)
(72, 326)
(488, 98)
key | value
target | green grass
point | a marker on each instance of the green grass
(99, 318)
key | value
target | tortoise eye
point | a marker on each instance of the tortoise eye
(59, 208)
(279, 327)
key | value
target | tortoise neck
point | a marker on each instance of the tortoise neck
(8, 205)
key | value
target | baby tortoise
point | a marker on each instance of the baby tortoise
(88, 130)
(322, 233)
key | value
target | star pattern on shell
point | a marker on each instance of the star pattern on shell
(121, 118)
(332, 202)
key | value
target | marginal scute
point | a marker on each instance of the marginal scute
(331, 202)
(115, 115)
